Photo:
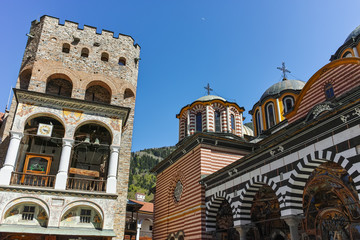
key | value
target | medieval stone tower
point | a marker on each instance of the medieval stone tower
(66, 141)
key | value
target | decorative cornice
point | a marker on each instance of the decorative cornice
(95, 108)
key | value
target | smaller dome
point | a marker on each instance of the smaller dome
(353, 34)
(283, 85)
(209, 98)
(248, 131)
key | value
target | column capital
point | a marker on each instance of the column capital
(16, 135)
(114, 148)
(68, 142)
(292, 220)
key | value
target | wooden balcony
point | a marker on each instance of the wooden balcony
(86, 184)
(32, 179)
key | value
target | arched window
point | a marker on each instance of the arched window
(257, 123)
(329, 91)
(66, 48)
(85, 52)
(347, 54)
(105, 57)
(288, 103)
(232, 122)
(217, 122)
(59, 86)
(97, 93)
(199, 122)
(128, 93)
(185, 127)
(122, 61)
(270, 115)
(25, 78)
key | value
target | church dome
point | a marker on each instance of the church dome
(353, 34)
(210, 98)
(281, 86)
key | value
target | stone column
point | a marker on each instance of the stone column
(62, 175)
(293, 222)
(138, 229)
(10, 159)
(113, 166)
(243, 229)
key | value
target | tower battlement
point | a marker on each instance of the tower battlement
(74, 26)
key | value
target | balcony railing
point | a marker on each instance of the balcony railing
(85, 184)
(33, 180)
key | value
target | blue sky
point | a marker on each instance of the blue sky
(234, 45)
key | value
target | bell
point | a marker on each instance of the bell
(97, 141)
(87, 140)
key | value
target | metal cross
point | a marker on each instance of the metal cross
(208, 88)
(284, 70)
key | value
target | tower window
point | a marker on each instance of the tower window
(232, 122)
(329, 91)
(28, 213)
(85, 216)
(199, 122)
(85, 52)
(270, 115)
(288, 103)
(347, 54)
(122, 61)
(66, 48)
(104, 57)
(217, 122)
(185, 127)
(257, 123)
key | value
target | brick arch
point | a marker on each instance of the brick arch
(303, 170)
(53, 115)
(99, 78)
(247, 196)
(51, 71)
(212, 207)
(124, 86)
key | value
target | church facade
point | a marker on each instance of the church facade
(298, 177)
(66, 141)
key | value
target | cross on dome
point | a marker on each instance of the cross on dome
(284, 70)
(208, 88)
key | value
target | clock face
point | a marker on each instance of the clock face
(44, 129)
(178, 191)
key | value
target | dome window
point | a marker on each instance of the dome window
(104, 57)
(232, 121)
(270, 115)
(199, 122)
(257, 123)
(329, 91)
(85, 52)
(288, 102)
(347, 54)
(217, 122)
(66, 48)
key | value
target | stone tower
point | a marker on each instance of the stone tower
(69, 130)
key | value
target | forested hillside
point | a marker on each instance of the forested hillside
(140, 178)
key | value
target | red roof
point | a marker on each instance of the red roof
(147, 207)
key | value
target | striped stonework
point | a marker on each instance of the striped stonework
(208, 110)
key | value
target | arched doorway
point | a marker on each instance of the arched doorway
(225, 223)
(265, 214)
(331, 205)
(90, 158)
(39, 153)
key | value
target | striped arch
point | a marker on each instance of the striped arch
(212, 208)
(247, 197)
(303, 170)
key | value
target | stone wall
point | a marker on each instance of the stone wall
(45, 59)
